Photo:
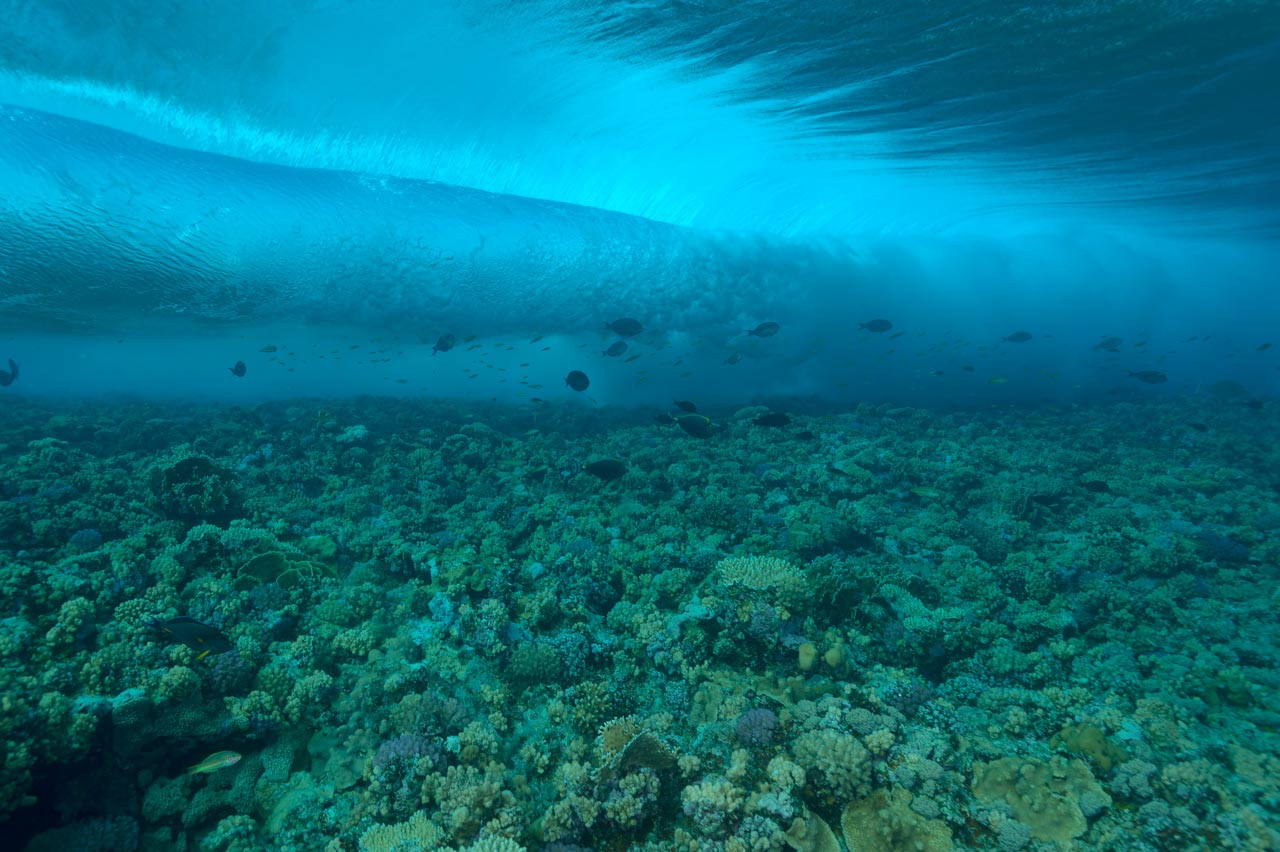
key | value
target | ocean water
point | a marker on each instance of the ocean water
(564, 425)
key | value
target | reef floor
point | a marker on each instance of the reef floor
(380, 624)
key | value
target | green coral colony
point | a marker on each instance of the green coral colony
(906, 631)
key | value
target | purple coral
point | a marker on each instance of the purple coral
(396, 757)
(757, 727)
(230, 673)
(85, 539)
(394, 765)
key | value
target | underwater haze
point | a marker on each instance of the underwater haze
(588, 425)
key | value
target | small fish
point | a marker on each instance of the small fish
(577, 380)
(773, 419)
(806, 435)
(1108, 344)
(7, 377)
(269, 348)
(696, 425)
(1151, 377)
(615, 349)
(606, 469)
(685, 406)
(734, 358)
(536, 339)
(1264, 347)
(625, 327)
(997, 380)
(1017, 337)
(194, 634)
(631, 358)
(896, 335)
(926, 492)
(214, 762)
(968, 368)
(1096, 486)
(764, 329)
(238, 370)
(444, 343)
(1199, 427)
(937, 373)
(878, 326)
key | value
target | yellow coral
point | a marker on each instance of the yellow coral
(416, 833)
(624, 744)
(885, 822)
(772, 577)
(1046, 796)
(494, 844)
(836, 762)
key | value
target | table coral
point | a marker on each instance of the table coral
(1049, 797)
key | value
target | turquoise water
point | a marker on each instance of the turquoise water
(970, 542)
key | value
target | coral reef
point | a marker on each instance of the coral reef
(903, 631)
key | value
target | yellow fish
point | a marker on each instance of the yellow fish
(214, 762)
(997, 380)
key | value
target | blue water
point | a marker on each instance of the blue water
(204, 182)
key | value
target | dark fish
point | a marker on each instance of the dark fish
(696, 425)
(444, 344)
(773, 418)
(1097, 486)
(616, 349)
(764, 329)
(238, 370)
(194, 634)
(632, 358)
(685, 405)
(269, 348)
(1199, 427)
(1253, 404)
(734, 358)
(806, 435)
(7, 377)
(577, 380)
(1108, 344)
(625, 327)
(1263, 347)
(877, 325)
(1017, 337)
(1151, 377)
(606, 469)
(968, 368)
